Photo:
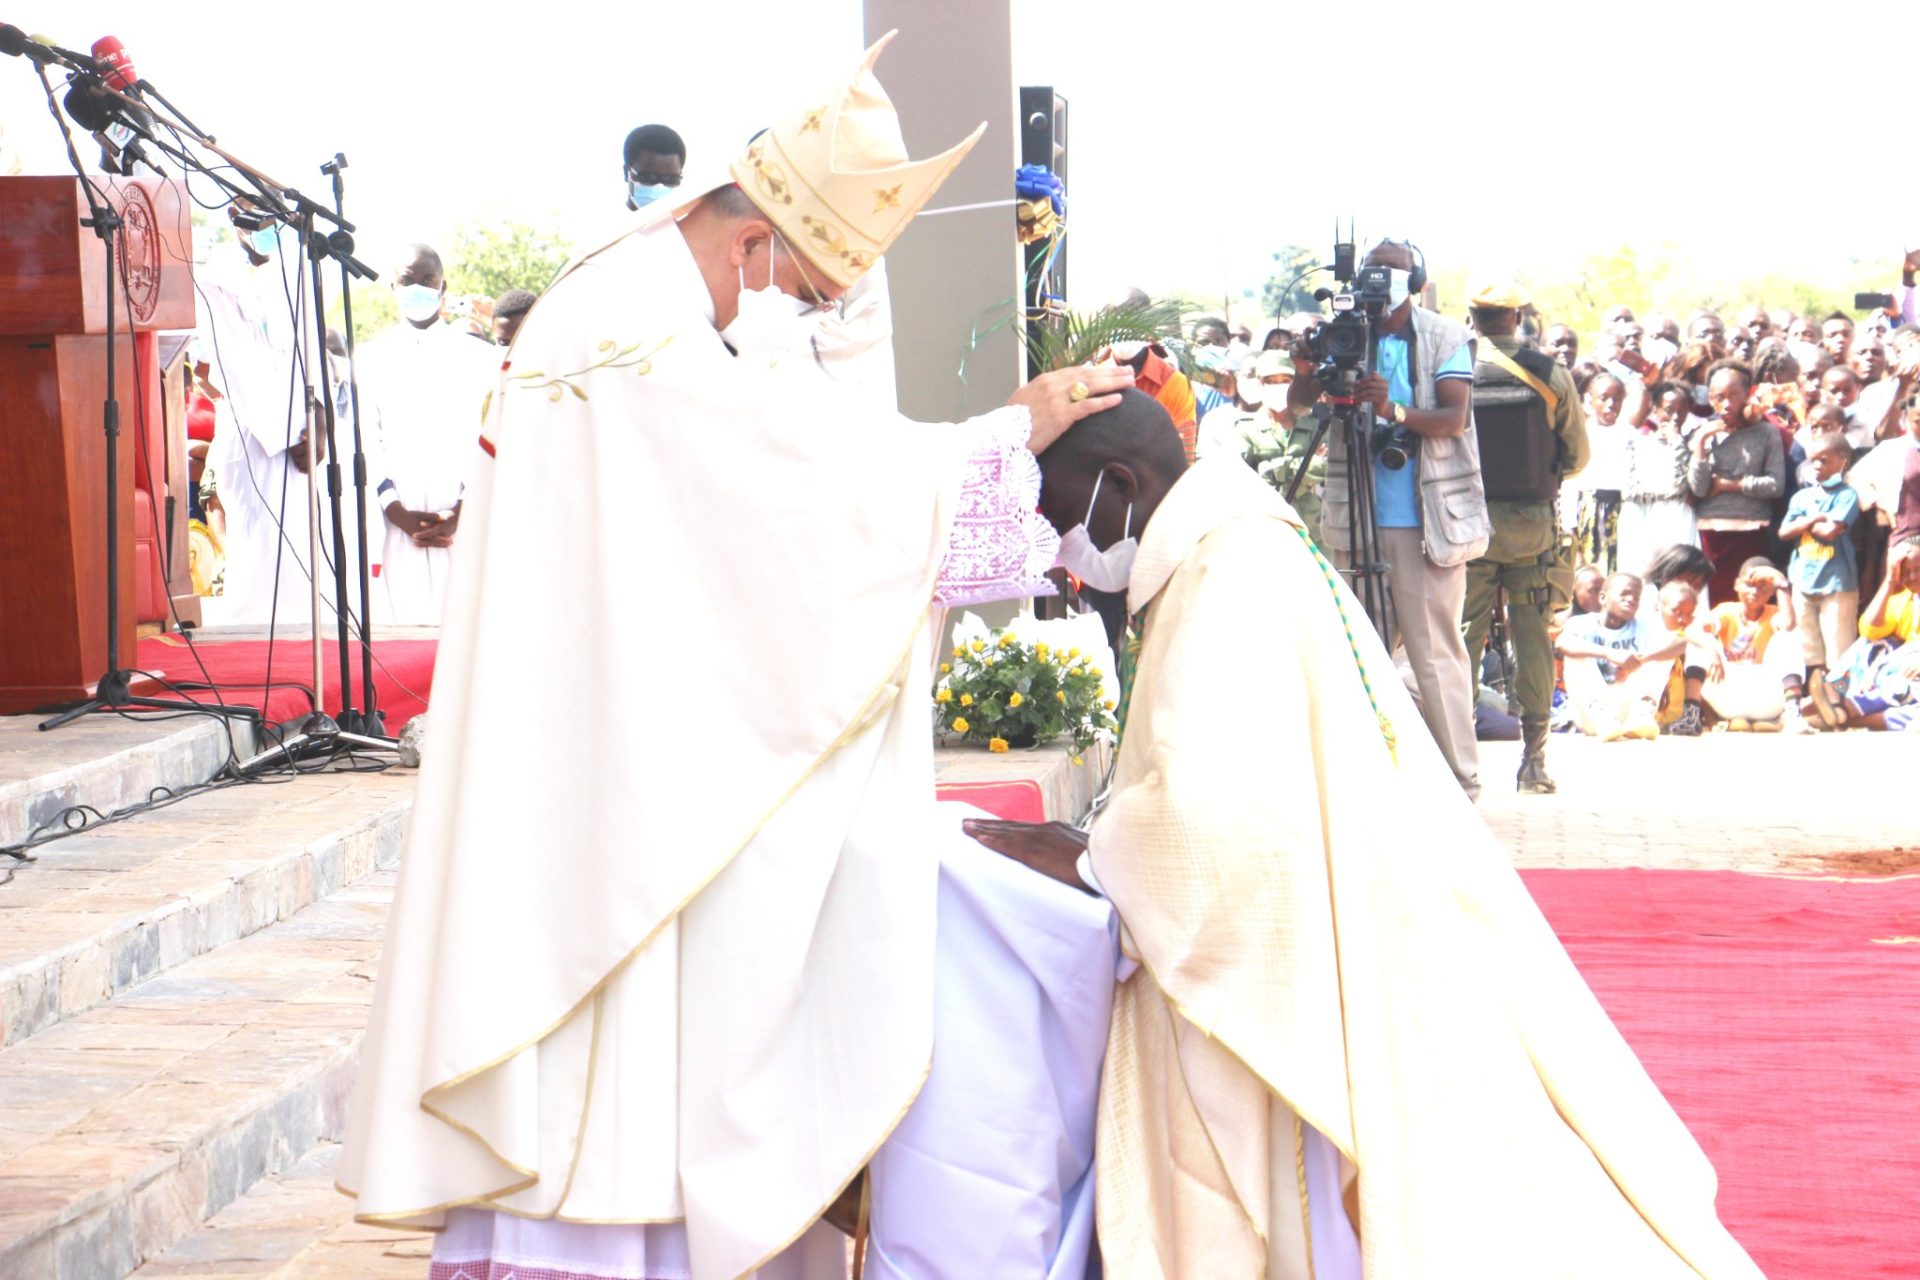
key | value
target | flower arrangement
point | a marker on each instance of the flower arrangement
(1000, 691)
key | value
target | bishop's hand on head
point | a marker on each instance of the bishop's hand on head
(1050, 398)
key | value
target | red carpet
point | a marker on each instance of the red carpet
(1786, 1036)
(402, 673)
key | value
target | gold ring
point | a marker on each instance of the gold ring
(1079, 391)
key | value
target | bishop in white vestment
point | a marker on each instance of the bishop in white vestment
(648, 1005)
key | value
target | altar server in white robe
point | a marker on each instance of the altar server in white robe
(1353, 1045)
(424, 383)
(647, 1007)
(245, 336)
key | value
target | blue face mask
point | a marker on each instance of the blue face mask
(643, 195)
(265, 240)
(418, 303)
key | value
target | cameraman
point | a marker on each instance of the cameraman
(1528, 417)
(1431, 511)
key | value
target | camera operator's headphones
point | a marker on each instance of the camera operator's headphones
(1416, 278)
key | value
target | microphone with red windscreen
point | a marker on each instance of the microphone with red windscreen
(116, 66)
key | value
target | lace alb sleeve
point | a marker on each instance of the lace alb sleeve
(1000, 546)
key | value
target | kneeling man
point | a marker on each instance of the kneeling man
(1351, 1035)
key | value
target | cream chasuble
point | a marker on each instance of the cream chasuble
(1330, 935)
(656, 953)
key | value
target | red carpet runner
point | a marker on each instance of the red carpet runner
(1781, 1017)
(402, 675)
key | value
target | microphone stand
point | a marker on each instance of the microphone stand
(371, 720)
(320, 733)
(112, 692)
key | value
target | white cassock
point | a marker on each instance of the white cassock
(667, 1052)
(245, 334)
(422, 390)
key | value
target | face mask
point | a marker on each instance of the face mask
(417, 302)
(1397, 287)
(643, 194)
(1108, 570)
(1835, 480)
(265, 240)
(769, 323)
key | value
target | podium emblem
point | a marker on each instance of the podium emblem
(139, 253)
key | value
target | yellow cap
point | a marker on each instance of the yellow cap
(1498, 293)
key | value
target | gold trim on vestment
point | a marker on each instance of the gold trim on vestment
(882, 697)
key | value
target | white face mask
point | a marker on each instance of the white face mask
(1397, 286)
(417, 302)
(770, 323)
(1108, 570)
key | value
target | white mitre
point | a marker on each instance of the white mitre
(835, 179)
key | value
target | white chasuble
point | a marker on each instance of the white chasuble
(677, 967)
(1331, 941)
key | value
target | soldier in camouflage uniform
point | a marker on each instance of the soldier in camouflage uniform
(1532, 436)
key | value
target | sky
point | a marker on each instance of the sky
(1203, 137)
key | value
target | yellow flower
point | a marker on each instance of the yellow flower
(1094, 672)
(945, 695)
(978, 646)
(1015, 700)
(1078, 760)
(998, 744)
(960, 724)
(1062, 695)
(959, 652)
(1073, 653)
(1073, 674)
(1107, 705)
(945, 667)
(1006, 638)
(966, 699)
(1040, 651)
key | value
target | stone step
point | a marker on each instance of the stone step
(102, 911)
(293, 1226)
(123, 1129)
(106, 761)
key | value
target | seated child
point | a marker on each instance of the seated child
(1876, 683)
(1751, 682)
(1617, 665)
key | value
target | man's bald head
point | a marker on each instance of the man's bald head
(1131, 450)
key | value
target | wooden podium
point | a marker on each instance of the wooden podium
(53, 560)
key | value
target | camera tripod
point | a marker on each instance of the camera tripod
(1364, 568)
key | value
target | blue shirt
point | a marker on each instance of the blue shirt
(1396, 494)
(1592, 628)
(1822, 568)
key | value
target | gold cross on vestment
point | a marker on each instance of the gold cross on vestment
(887, 198)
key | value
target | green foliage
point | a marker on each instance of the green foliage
(1665, 279)
(1000, 691)
(374, 310)
(492, 258)
(1291, 287)
(1081, 335)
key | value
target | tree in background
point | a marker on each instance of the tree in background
(1290, 288)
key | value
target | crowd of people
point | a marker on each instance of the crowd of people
(1679, 524)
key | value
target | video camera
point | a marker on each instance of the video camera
(1343, 346)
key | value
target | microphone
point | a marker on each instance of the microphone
(116, 125)
(78, 61)
(16, 43)
(117, 67)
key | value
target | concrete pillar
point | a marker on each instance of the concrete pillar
(954, 274)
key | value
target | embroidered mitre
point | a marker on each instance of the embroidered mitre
(835, 178)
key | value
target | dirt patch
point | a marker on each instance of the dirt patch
(1871, 862)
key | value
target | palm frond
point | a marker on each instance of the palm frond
(1080, 335)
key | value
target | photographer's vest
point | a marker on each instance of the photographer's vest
(1513, 409)
(1454, 527)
